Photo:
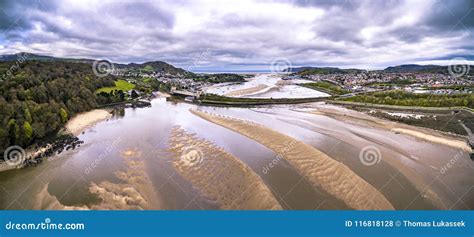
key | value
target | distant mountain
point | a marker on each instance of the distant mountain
(322, 70)
(155, 66)
(407, 68)
(29, 56)
(24, 56)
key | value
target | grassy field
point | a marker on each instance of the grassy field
(119, 85)
(402, 98)
(326, 87)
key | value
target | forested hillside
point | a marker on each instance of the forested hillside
(38, 97)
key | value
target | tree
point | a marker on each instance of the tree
(27, 131)
(13, 131)
(3, 139)
(63, 114)
(121, 95)
(27, 115)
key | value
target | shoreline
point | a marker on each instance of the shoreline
(74, 127)
(427, 134)
(85, 120)
(398, 107)
(246, 91)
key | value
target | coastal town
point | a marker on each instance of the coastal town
(352, 82)
(436, 83)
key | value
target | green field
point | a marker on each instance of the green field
(326, 87)
(119, 85)
(402, 98)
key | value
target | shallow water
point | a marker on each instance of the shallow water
(268, 86)
(127, 163)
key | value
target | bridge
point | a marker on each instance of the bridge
(186, 93)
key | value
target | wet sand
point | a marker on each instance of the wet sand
(82, 121)
(321, 170)
(421, 133)
(444, 140)
(246, 91)
(218, 175)
(135, 192)
(45, 201)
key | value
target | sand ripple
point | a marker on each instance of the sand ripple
(246, 91)
(45, 201)
(321, 170)
(136, 192)
(219, 175)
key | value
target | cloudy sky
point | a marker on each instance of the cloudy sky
(243, 34)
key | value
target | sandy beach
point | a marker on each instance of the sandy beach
(246, 91)
(82, 121)
(453, 142)
(75, 126)
(163, 94)
(321, 170)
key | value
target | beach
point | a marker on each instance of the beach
(82, 121)
(246, 91)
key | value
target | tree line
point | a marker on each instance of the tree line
(402, 98)
(39, 97)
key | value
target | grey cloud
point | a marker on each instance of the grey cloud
(451, 15)
(349, 32)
